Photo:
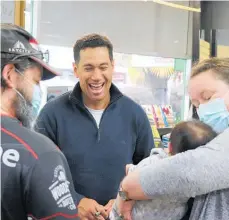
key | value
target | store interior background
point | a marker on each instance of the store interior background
(155, 44)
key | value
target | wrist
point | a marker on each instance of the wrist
(122, 193)
(116, 210)
(123, 209)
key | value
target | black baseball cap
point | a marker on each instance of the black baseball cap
(17, 41)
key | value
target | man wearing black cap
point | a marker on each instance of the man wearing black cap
(35, 179)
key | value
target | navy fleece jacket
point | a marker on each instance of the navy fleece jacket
(97, 156)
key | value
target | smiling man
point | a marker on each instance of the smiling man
(97, 128)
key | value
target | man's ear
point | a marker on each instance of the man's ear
(9, 75)
(75, 69)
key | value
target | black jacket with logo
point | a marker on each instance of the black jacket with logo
(35, 179)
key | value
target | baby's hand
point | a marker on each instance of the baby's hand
(128, 166)
(127, 215)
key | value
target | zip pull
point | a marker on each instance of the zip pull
(98, 136)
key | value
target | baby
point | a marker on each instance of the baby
(185, 136)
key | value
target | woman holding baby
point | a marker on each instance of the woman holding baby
(202, 172)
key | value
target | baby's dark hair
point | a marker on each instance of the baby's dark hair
(189, 135)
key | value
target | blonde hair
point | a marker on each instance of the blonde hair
(219, 66)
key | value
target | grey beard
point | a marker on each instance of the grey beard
(24, 111)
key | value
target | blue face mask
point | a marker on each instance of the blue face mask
(215, 114)
(36, 99)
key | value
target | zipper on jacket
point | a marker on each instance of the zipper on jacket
(91, 116)
(98, 134)
(93, 119)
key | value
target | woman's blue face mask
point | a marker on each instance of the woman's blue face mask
(215, 114)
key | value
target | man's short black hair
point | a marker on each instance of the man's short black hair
(189, 135)
(92, 41)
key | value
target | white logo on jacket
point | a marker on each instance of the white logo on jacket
(9, 157)
(60, 189)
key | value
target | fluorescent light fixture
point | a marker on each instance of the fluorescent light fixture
(173, 5)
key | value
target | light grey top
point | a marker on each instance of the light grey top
(159, 208)
(193, 174)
